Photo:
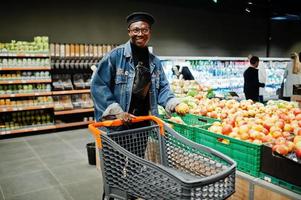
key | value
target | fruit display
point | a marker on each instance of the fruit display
(25, 119)
(39, 44)
(21, 102)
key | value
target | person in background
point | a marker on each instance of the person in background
(129, 80)
(292, 76)
(251, 81)
(182, 73)
(262, 77)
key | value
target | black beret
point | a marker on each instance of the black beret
(140, 16)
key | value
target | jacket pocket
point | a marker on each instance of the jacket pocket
(121, 79)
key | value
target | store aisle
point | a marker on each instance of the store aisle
(50, 166)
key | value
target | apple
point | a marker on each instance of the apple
(298, 117)
(280, 140)
(268, 139)
(297, 139)
(282, 149)
(288, 128)
(226, 129)
(296, 111)
(276, 134)
(290, 145)
(298, 153)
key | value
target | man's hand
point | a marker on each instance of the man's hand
(182, 109)
(124, 116)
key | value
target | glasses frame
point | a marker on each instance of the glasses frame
(144, 31)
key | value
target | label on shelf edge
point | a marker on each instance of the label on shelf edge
(12, 95)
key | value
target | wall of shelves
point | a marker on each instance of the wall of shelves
(28, 75)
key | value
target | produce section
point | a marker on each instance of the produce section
(243, 130)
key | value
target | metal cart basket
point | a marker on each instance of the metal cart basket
(155, 162)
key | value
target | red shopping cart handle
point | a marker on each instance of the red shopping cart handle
(117, 122)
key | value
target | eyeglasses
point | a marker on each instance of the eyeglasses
(136, 31)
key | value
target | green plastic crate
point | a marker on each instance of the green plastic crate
(280, 183)
(191, 121)
(247, 155)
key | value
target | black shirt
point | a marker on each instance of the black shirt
(140, 104)
(252, 84)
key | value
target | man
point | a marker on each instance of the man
(130, 80)
(251, 81)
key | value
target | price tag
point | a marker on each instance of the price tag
(2, 133)
(7, 132)
(9, 82)
(4, 109)
(12, 95)
(15, 109)
(34, 129)
(36, 94)
(43, 107)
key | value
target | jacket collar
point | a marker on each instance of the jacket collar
(128, 54)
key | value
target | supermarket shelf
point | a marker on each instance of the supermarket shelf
(24, 55)
(66, 125)
(13, 108)
(71, 92)
(74, 111)
(32, 94)
(23, 68)
(25, 81)
(26, 130)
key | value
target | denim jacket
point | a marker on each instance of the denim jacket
(112, 82)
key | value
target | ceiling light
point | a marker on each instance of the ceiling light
(247, 10)
(250, 3)
(215, 1)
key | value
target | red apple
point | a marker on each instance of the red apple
(298, 117)
(298, 153)
(296, 111)
(282, 149)
(226, 129)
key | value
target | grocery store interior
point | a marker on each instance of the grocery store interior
(224, 147)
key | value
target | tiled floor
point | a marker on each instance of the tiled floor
(50, 166)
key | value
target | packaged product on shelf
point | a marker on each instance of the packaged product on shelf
(82, 50)
(100, 51)
(57, 50)
(87, 54)
(76, 101)
(67, 50)
(95, 51)
(62, 50)
(78, 81)
(86, 101)
(66, 101)
(52, 50)
(72, 50)
(77, 50)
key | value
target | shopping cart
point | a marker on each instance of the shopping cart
(155, 162)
